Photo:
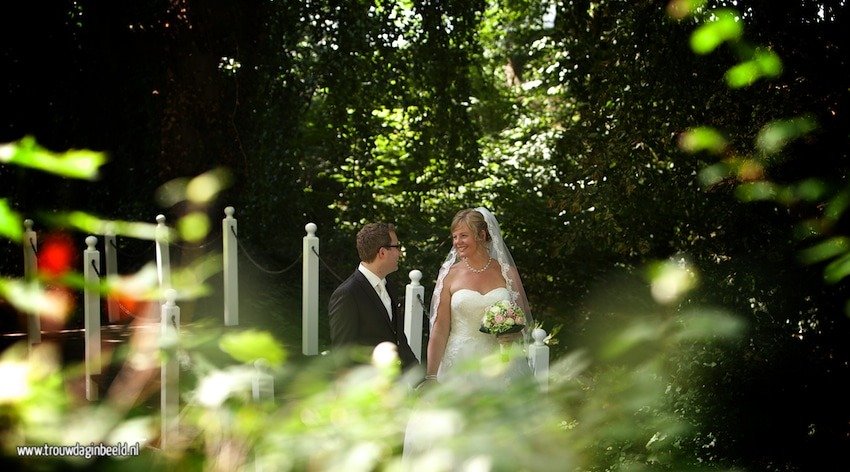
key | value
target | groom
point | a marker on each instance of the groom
(362, 311)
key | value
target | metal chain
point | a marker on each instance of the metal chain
(338, 278)
(256, 264)
(94, 266)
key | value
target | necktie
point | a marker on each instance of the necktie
(385, 297)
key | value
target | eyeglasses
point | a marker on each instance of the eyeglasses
(397, 246)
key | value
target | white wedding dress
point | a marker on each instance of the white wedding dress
(466, 344)
(466, 347)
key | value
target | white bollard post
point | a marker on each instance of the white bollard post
(110, 249)
(310, 294)
(169, 370)
(263, 382)
(413, 296)
(539, 355)
(91, 300)
(231, 274)
(30, 244)
(163, 259)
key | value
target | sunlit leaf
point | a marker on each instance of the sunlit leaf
(190, 281)
(756, 191)
(194, 226)
(777, 134)
(10, 222)
(837, 269)
(671, 279)
(31, 297)
(713, 174)
(764, 63)
(768, 62)
(702, 138)
(630, 338)
(825, 250)
(743, 74)
(206, 186)
(706, 325)
(252, 345)
(679, 9)
(171, 192)
(92, 224)
(811, 190)
(725, 26)
(78, 164)
(836, 207)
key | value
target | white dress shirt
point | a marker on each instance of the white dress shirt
(380, 286)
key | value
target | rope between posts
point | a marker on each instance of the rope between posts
(421, 303)
(256, 264)
(338, 278)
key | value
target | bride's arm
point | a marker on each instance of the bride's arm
(440, 331)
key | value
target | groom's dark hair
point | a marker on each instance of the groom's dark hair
(371, 238)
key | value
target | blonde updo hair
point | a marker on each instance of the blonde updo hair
(474, 220)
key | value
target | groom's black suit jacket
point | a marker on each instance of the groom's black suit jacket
(358, 317)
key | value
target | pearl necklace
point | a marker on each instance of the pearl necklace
(477, 271)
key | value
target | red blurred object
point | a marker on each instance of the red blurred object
(56, 255)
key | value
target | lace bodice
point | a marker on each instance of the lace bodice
(466, 342)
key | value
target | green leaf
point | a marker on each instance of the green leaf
(837, 269)
(768, 62)
(10, 222)
(92, 224)
(679, 9)
(194, 226)
(702, 138)
(743, 74)
(774, 136)
(77, 164)
(757, 191)
(836, 207)
(630, 338)
(252, 345)
(825, 250)
(811, 190)
(725, 26)
(714, 174)
(704, 325)
(764, 63)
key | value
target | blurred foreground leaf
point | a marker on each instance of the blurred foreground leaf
(764, 63)
(252, 345)
(702, 138)
(92, 224)
(824, 250)
(725, 25)
(77, 164)
(777, 134)
(708, 325)
(10, 222)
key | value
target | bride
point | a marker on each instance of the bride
(478, 272)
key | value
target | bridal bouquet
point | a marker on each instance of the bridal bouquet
(503, 317)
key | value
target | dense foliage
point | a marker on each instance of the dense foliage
(566, 118)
